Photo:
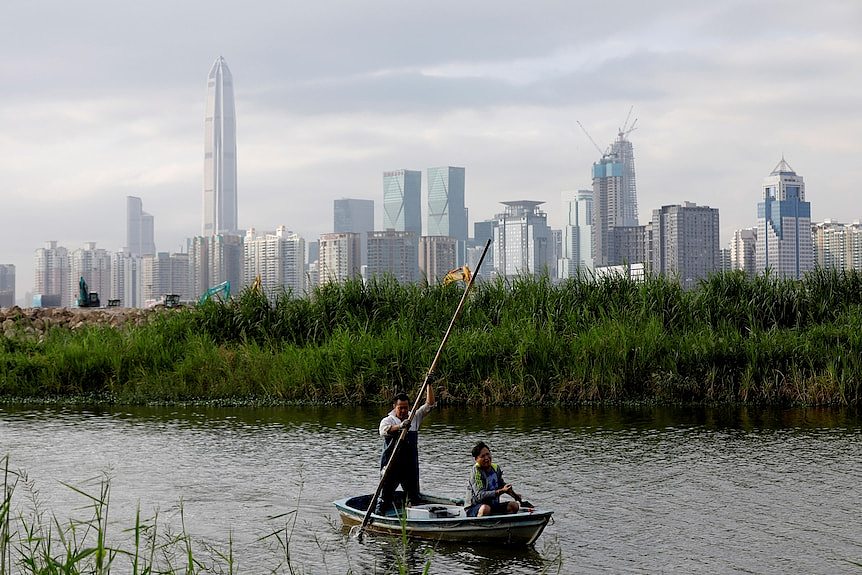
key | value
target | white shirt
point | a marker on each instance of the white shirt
(391, 419)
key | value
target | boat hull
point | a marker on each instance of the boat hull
(442, 519)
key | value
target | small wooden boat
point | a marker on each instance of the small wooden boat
(444, 519)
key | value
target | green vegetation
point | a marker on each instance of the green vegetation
(732, 340)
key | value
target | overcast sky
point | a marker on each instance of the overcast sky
(104, 99)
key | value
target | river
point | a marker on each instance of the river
(635, 490)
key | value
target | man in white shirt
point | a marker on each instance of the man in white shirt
(405, 469)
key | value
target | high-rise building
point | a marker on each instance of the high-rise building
(394, 253)
(139, 228)
(220, 197)
(7, 285)
(724, 260)
(437, 257)
(623, 150)
(522, 240)
(684, 242)
(51, 277)
(357, 216)
(447, 214)
(402, 196)
(615, 204)
(226, 261)
(577, 231)
(784, 240)
(163, 274)
(339, 258)
(278, 258)
(607, 197)
(214, 260)
(94, 265)
(838, 246)
(743, 248)
(126, 280)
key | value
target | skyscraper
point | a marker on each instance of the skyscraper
(684, 242)
(402, 197)
(522, 240)
(784, 239)
(278, 258)
(339, 257)
(7, 285)
(220, 203)
(624, 152)
(436, 257)
(393, 253)
(139, 229)
(94, 265)
(743, 248)
(356, 216)
(607, 198)
(51, 277)
(447, 215)
(577, 233)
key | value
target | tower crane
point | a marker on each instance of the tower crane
(626, 128)
(587, 134)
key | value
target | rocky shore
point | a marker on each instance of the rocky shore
(35, 322)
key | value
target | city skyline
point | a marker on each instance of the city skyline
(718, 99)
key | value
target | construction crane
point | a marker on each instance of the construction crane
(587, 134)
(627, 129)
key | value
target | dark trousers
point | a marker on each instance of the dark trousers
(406, 475)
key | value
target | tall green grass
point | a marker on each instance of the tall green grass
(528, 341)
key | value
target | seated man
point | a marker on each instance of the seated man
(485, 486)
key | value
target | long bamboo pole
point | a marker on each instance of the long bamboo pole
(367, 519)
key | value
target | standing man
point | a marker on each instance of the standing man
(405, 468)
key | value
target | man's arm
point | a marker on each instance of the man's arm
(429, 395)
(390, 425)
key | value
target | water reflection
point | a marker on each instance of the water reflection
(634, 489)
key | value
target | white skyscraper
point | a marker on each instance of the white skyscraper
(220, 203)
(743, 247)
(577, 244)
(522, 240)
(339, 258)
(94, 265)
(278, 258)
(51, 277)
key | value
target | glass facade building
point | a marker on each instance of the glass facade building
(784, 239)
(402, 197)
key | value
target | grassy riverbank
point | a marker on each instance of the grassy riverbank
(762, 340)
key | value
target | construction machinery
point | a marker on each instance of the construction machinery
(171, 300)
(222, 291)
(87, 298)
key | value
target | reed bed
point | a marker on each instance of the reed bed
(528, 341)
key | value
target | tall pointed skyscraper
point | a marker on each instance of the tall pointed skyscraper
(624, 152)
(784, 238)
(220, 206)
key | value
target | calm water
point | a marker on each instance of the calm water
(634, 491)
